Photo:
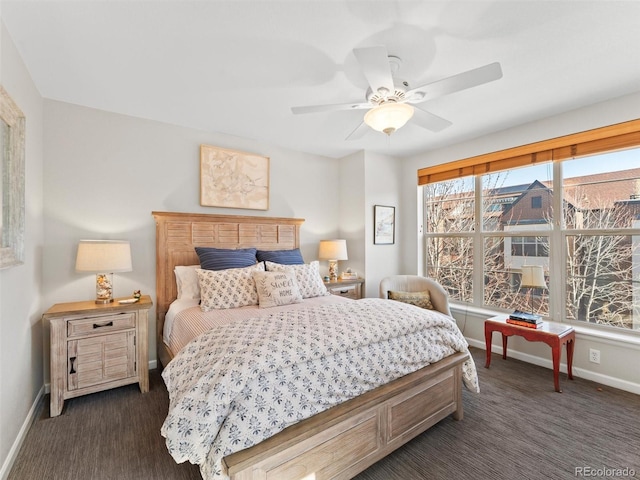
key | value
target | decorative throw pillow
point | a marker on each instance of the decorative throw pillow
(419, 299)
(276, 288)
(231, 288)
(187, 281)
(308, 277)
(283, 257)
(223, 258)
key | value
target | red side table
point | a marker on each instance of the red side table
(552, 334)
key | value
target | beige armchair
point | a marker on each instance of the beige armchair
(416, 283)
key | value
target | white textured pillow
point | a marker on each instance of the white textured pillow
(276, 288)
(187, 281)
(231, 288)
(308, 277)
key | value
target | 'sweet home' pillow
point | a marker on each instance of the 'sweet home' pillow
(276, 288)
(308, 277)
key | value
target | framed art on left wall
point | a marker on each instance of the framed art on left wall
(12, 158)
(233, 179)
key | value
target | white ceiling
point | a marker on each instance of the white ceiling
(237, 67)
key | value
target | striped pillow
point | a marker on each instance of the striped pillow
(223, 258)
(283, 257)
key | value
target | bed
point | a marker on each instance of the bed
(342, 440)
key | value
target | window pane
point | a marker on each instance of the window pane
(450, 206)
(450, 262)
(502, 280)
(600, 274)
(602, 191)
(514, 191)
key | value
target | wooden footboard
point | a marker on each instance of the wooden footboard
(348, 438)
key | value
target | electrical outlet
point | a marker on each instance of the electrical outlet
(594, 355)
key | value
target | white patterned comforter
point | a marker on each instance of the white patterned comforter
(236, 385)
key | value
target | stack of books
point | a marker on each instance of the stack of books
(524, 319)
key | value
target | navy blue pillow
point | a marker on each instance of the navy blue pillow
(283, 257)
(223, 258)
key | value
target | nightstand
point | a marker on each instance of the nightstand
(346, 288)
(97, 347)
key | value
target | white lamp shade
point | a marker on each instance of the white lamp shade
(532, 277)
(388, 117)
(333, 250)
(103, 256)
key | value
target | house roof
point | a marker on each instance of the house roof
(602, 190)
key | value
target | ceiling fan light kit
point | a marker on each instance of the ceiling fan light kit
(388, 117)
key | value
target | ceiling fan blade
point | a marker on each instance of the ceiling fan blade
(374, 62)
(329, 108)
(429, 121)
(358, 132)
(455, 83)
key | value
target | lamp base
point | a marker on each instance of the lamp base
(102, 301)
(104, 288)
(333, 270)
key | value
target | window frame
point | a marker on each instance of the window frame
(557, 234)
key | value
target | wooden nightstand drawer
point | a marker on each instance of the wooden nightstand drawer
(100, 324)
(348, 291)
(346, 288)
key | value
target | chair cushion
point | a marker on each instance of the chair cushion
(419, 299)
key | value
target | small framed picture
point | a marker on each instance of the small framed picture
(384, 222)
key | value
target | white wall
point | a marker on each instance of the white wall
(382, 187)
(352, 212)
(105, 173)
(21, 370)
(368, 179)
(619, 356)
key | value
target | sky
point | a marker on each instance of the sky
(611, 162)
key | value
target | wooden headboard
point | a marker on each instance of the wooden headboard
(178, 233)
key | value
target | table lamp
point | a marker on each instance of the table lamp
(103, 257)
(333, 250)
(532, 277)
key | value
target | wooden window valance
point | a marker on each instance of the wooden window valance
(599, 140)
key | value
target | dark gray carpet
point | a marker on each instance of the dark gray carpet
(518, 427)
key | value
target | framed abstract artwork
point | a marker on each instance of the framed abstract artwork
(233, 179)
(384, 221)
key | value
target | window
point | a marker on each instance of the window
(578, 218)
(529, 247)
(536, 202)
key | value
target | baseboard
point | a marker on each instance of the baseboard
(15, 448)
(547, 363)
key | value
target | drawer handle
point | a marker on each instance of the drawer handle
(342, 292)
(73, 369)
(110, 324)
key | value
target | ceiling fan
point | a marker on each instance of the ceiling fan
(390, 100)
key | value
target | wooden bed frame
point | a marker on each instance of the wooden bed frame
(344, 440)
